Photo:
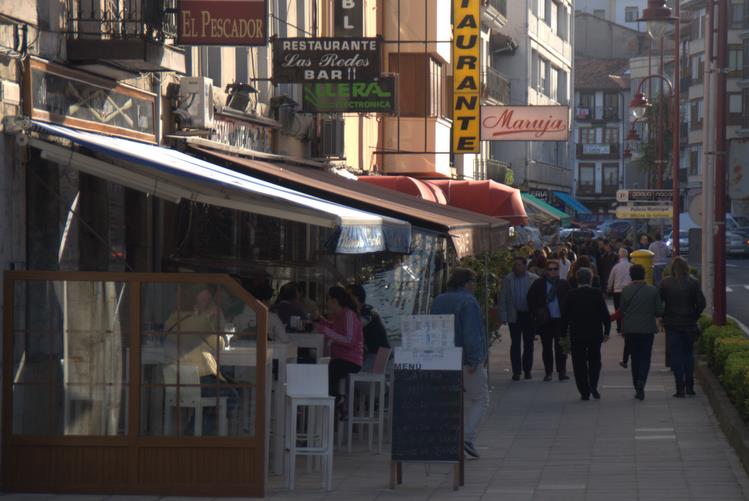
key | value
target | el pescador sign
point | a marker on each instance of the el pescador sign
(222, 22)
(306, 60)
(524, 123)
(347, 97)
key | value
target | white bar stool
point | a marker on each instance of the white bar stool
(307, 386)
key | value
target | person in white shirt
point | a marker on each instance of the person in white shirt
(660, 259)
(618, 279)
(246, 321)
(564, 263)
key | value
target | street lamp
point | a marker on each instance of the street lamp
(639, 105)
(658, 18)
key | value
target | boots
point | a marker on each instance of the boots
(690, 389)
(640, 390)
(679, 390)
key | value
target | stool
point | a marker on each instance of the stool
(376, 382)
(307, 386)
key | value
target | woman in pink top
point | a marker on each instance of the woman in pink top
(344, 329)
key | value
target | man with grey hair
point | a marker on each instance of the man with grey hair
(618, 280)
(588, 321)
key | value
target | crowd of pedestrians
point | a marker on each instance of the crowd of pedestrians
(560, 295)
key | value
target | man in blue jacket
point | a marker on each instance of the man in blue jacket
(459, 300)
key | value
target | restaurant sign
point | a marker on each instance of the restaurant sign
(223, 22)
(524, 123)
(62, 95)
(348, 18)
(347, 97)
(466, 76)
(307, 60)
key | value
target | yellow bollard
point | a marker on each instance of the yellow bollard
(645, 258)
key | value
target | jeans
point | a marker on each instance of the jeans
(681, 346)
(521, 334)
(476, 400)
(586, 362)
(209, 389)
(551, 349)
(642, 348)
(658, 273)
(339, 369)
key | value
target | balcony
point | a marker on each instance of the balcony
(597, 114)
(495, 86)
(544, 174)
(494, 12)
(496, 170)
(597, 150)
(122, 38)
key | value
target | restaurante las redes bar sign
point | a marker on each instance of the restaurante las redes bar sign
(307, 60)
(466, 76)
(222, 22)
(346, 97)
(524, 123)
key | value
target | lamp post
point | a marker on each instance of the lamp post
(639, 106)
(721, 153)
(659, 19)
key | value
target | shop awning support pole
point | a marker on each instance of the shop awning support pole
(486, 310)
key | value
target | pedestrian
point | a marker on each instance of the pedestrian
(587, 318)
(660, 258)
(683, 304)
(618, 280)
(606, 263)
(513, 310)
(460, 301)
(547, 299)
(640, 305)
(582, 262)
(373, 329)
(564, 263)
(644, 242)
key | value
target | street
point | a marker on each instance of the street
(737, 289)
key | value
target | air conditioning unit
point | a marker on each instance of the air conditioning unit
(331, 140)
(196, 100)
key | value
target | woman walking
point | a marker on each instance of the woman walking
(640, 305)
(684, 303)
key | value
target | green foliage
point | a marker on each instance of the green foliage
(704, 322)
(728, 353)
(724, 347)
(735, 379)
(715, 332)
(647, 163)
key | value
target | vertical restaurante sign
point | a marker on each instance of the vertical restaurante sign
(524, 123)
(466, 76)
(306, 60)
(222, 22)
(348, 18)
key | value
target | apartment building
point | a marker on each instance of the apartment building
(540, 73)
(621, 12)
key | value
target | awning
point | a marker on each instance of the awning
(570, 202)
(173, 175)
(471, 233)
(406, 184)
(541, 206)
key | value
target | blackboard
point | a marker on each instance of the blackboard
(427, 416)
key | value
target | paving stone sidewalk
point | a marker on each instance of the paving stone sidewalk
(539, 442)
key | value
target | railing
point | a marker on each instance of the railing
(494, 85)
(119, 19)
(498, 5)
(597, 150)
(543, 173)
(590, 113)
(495, 170)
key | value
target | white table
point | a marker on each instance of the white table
(309, 340)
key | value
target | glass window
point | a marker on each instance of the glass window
(610, 177)
(435, 81)
(562, 87)
(553, 15)
(611, 135)
(737, 13)
(735, 103)
(735, 59)
(587, 178)
(562, 22)
(70, 358)
(587, 135)
(541, 12)
(631, 14)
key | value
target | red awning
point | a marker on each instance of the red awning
(486, 197)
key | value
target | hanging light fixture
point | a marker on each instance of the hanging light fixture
(658, 18)
(639, 105)
(627, 153)
(632, 135)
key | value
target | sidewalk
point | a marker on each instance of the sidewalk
(540, 442)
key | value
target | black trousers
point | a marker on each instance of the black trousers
(521, 334)
(551, 349)
(586, 362)
(339, 369)
(617, 296)
(642, 348)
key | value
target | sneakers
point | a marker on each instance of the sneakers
(470, 450)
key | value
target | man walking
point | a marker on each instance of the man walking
(684, 303)
(660, 258)
(640, 306)
(547, 299)
(589, 322)
(459, 300)
(618, 280)
(513, 310)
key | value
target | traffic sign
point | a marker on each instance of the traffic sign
(644, 212)
(662, 196)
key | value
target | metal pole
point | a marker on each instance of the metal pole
(708, 174)
(719, 315)
(660, 139)
(676, 147)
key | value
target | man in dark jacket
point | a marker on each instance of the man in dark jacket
(589, 322)
(683, 305)
(549, 294)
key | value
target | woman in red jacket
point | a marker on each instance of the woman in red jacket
(344, 330)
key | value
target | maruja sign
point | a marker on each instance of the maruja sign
(524, 123)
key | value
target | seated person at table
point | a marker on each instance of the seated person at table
(288, 304)
(345, 332)
(198, 327)
(246, 322)
(375, 334)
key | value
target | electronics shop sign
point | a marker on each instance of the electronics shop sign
(307, 60)
(350, 97)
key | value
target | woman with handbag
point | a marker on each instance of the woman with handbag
(547, 300)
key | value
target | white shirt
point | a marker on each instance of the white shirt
(619, 277)
(247, 320)
(564, 268)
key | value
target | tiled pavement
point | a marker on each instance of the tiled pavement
(540, 442)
